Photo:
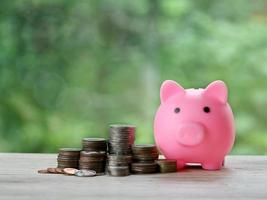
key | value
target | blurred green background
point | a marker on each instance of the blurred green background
(70, 68)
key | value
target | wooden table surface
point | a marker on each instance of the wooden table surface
(243, 177)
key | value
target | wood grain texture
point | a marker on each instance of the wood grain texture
(243, 177)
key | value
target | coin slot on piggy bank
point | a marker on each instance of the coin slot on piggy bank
(194, 125)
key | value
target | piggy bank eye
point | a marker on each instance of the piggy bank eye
(206, 109)
(177, 110)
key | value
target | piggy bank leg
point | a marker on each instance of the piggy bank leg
(180, 164)
(212, 165)
(223, 162)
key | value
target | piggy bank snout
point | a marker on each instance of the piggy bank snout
(190, 134)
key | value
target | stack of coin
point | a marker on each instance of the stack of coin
(145, 152)
(144, 167)
(68, 157)
(93, 160)
(118, 170)
(93, 156)
(166, 166)
(94, 144)
(118, 165)
(144, 157)
(121, 137)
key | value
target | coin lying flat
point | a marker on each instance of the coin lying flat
(52, 170)
(85, 173)
(43, 171)
(59, 170)
(70, 171)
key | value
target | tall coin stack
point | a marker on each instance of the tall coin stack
(144, 157)
(68, 157)
(93, 156)
(121, 138)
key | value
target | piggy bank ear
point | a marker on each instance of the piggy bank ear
(217, 90)
(168, 89)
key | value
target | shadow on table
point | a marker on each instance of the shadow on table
(195, 173)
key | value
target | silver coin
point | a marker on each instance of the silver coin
(85, 173)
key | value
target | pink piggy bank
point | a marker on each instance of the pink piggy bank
(194, 125)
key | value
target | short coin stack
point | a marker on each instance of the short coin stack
(167, 166)
(144, 157)
(93, 156)
(68, 157)
(118, 165)
(121, 138)
(92, 160)
(94, 144)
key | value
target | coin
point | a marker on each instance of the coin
(144, 148)
(43, 171)
(98, 167)
(52, 170)
(66, 161)
(118, 170)
(167, 165)
(93, 154)
(70, 151)
(145, 152)
(68, 165)
(121, 137)
(94, 144)
(70, 171)
(85, 173)
(144, 168)
(94, 140)
(68, 157)
(93, 160)
(59, 170)
(119, 160)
